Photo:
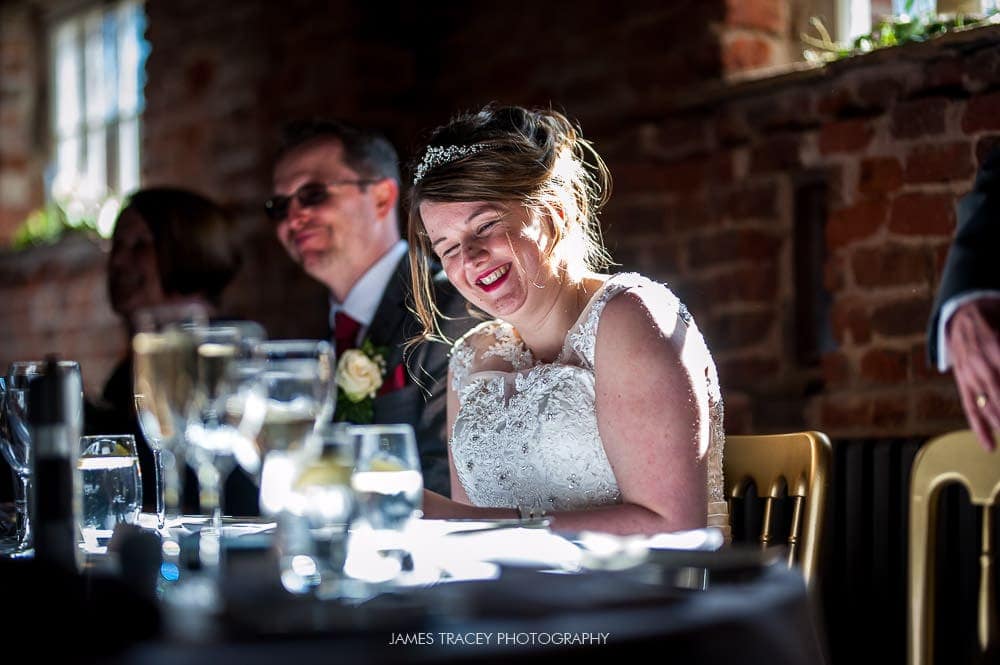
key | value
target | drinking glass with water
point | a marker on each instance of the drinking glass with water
(387, 481)
(112, 486)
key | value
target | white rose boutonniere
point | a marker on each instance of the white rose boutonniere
(359, 375)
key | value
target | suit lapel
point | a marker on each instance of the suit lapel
(393, 324)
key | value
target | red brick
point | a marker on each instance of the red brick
(982, 68)
(844, 411)
(731, 127)
(850, 322)
(688, 211)
(835, 101)
(779, 153)
(753, 201)
(920, 364)
(905, 317)
(982, 113)
(780, 112)
(985, 146)
(834, 270)
(740, 53)
(939, 163)
(745, 372)
(890, 411)
(921, 117)
(845, 136)
(880, 175)
(945, 72)
(890, 265)
(836, 368)
(737, 330)
(734, 245)
(722, 167)
(653, 177)
(855, 222)
(880, 93)
(935, 404)
(884, 366)
(768, 15)
(923, 214)
(744, 284)
(738, 414)
(684, 134)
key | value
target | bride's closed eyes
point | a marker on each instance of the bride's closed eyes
(482, 231)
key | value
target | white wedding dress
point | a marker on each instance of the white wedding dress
(526, 432)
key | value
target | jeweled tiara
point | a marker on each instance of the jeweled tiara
(438, 155)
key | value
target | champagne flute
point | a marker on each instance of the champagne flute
(224, 417)
(165, 366)
(149, 424)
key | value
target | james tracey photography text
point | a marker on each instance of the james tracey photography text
(498, 639)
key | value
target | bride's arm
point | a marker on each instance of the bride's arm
(652, 412)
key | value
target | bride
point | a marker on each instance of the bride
(590, 398)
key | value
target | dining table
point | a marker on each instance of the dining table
(471, 591)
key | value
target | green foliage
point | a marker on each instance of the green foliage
(46, 225)
(890, 31)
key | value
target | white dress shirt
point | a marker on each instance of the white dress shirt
(364, 297)
(947, 310)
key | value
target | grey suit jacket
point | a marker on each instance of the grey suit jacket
(422, 402)
(972, 263)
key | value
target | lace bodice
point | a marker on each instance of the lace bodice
(526, 432)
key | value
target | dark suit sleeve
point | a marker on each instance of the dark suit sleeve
(972, 263)
(433, 372)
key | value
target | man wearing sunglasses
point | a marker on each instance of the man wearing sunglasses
(334, 209)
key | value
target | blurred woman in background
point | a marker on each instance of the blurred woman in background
(170, 247)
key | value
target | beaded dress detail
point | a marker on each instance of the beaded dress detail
(526, 432)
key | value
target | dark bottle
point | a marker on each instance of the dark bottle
(55, 420)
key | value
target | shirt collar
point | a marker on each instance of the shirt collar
(364, 297)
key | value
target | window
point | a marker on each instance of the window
(857, 17)
(98, 57)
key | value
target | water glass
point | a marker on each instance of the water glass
(321, 500)
(387, 481)
(112, 486)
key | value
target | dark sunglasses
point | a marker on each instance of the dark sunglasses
(308, 195)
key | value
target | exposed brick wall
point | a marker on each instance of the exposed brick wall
(22, 154)
(897, 137)
(705, 185)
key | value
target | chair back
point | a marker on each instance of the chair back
(796, 464)
(956, 457)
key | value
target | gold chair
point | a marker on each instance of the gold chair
(797, 464)
(952, 457)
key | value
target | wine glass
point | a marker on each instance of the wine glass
(149, 424)
(165, 366)
(297, 377)
(321, 496)
(225, 415)
(16, 446)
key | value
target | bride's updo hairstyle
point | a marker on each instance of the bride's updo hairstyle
(509, 154)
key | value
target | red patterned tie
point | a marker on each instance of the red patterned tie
(345, 331)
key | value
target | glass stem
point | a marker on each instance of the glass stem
(158, 485)
(210, 541)
(21, 493)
